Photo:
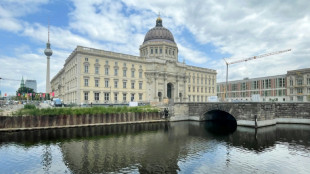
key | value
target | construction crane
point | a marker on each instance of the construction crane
(247, 59)
(8, 79)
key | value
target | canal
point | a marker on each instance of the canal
(177, 147)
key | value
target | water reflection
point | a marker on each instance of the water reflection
(157, 148)
(220, 128)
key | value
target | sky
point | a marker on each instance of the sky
(206, 32)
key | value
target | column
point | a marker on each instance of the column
(165, 86)
(156, 86)
(177, 87)
(185, 89)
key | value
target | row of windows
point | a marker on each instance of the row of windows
(281, 92)
(106, 83)
(258, 84)
(201, 80)
(115, 63)
(197, 98)
(158, 50)
(299, 81)
(201, 89)
(106, 71)
(106, 96)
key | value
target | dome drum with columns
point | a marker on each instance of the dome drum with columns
(97, 76)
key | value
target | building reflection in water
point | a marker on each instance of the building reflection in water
(146, 148)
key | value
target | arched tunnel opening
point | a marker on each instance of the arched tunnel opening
(220, 122)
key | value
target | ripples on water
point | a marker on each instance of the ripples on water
(181, 147)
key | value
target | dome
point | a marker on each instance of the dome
(159, 33)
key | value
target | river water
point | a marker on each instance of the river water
(179, 147)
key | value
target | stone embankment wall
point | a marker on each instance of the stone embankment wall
(267, 113)
(15, 123)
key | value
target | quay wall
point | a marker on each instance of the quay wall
(16, 123)
(252, 114)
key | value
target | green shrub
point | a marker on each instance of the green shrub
(29, 106)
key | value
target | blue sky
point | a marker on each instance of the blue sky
(206, 31)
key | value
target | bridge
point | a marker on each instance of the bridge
(253, 114)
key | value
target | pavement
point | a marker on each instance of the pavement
(7, 110)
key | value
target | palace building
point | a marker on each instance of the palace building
(97, 76)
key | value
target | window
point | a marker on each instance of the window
(193, 79)
(166, 51)
(115, 84)
(299, 90)
(115, 96)
(300, 98)
(189, 98)
(132, 97)
(86, 96)
(197, 89)
(209, 89)
(116, 63)
(151, 50)
(106, 71)
(85, 82)
(197, 80)
(140, 85)
(308, 90)
(193, 98)
(124, 84)
(86, 68)
(156, 51)
(299, 81)
(212, 81)
(124, 73)
(160, 51)
(201, 80)
(124, 64)
(140, 96)
(291, 91)
(243, 86)
(291, 82)
(280, 82)
(106, 62)
(106, 83)
(254, 85)
(234, 87)
(96, 96)
(201, 89)
(124, 96)
(106, 96)
(96, 83)
(140, 74)
(115, 71)
(172, 52)
(193, 88)
(132, 73)
(308, 81)
(96, 70)
(97, 60)
(132, 85)
(197, 98)
(201, 98)
(86, 59)
(189, 89)
(212, 89)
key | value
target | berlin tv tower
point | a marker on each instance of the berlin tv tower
(48, 52)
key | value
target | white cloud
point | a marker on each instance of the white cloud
(236, 28)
